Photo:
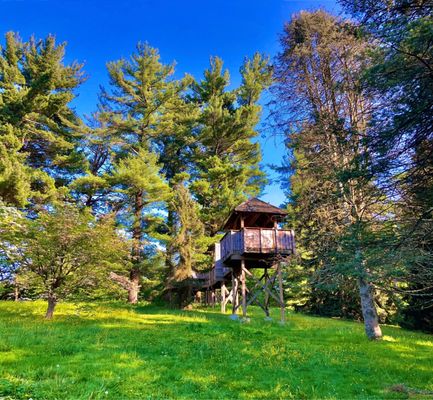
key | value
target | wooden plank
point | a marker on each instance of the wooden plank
(260, 241)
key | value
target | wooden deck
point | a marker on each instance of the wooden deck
(264, 241)
(259, 243)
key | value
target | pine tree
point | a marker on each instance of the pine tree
(142, 100)
(38, 128)
(226, 158)
(100, 142)
(189, 244)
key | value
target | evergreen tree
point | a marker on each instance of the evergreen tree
(38, 129)
(226, 157)
(402, 129)
(142, 99)
(189, 244)
(100, 144)
(324, 110)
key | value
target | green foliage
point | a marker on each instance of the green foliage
(189, 243)
(112, 351)
(341, 213)
(402, 132)
(38, 129)
(63, 251)
(226, 157)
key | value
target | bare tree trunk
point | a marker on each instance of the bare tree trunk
(134, 286)
(16, 293)
(369, 313)
(52, 301)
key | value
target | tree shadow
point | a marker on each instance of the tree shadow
(145, 351)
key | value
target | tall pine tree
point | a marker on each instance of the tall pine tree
(142, 100)
(226, 156)
(39, 132)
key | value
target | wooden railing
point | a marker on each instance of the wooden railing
(257, 240)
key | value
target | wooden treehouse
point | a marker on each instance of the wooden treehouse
(253, 240)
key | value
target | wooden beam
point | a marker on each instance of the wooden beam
(253, 219)
(280, 284)
(266, 275)
(264, 288)
(244, 289)
(235, 288)
(213, 297)
(245, 270)
(223, 298)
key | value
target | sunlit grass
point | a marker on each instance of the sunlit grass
(114, 351)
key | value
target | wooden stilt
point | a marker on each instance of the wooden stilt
(266, 278)
(244, 289)
(280, 284)
(235, 288)
(213, 295)
(223, 298)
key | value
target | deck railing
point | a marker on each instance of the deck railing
(257, 240)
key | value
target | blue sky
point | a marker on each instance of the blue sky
(185, 31)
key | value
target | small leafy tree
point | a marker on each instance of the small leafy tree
(64, 250)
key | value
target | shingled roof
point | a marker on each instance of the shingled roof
(259, 206)
(255, 213)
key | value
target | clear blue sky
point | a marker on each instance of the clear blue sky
(186, 31)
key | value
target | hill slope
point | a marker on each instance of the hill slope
(111, 351)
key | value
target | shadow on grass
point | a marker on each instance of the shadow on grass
(118, 352)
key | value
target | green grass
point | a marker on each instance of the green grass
(112, 351)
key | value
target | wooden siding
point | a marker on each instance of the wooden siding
(218, 272)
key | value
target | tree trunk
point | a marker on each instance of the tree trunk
(369, 313)
(16, 293)
(52, 301)
(170, 268)
(134, 286)
(137, 233)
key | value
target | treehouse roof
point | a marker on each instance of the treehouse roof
(256, 213)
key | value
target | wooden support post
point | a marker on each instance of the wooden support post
(280, 284)
(266, 279)
(213, 297)
(235, 288)
(244, 289)
(223, 297)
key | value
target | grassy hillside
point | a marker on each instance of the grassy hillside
(120, 352)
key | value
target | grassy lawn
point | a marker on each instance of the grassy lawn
(112, 351)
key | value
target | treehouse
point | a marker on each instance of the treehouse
(253, 240)
(253, 236)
